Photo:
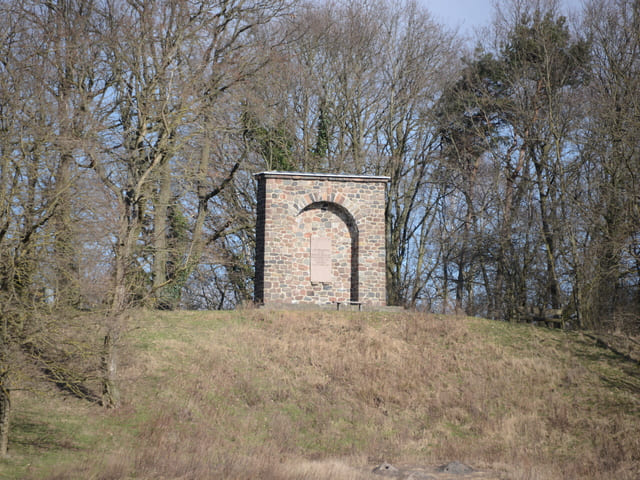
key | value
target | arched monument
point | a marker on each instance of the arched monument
(320, 239)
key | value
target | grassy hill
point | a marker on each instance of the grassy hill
(317, 395)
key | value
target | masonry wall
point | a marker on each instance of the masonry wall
(345, 210)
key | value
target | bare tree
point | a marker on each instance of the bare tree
(357, 90)
(513, 111)
(608, 292)
(29, 196)
(171, 66)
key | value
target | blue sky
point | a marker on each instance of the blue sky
(466, 14)
(469, 14)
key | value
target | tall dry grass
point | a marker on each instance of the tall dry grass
(306, 395)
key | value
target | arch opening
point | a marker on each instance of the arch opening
(343, 214)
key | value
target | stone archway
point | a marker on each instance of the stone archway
(350, 222)
(320, 238)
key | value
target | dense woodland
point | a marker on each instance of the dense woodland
(130, 131)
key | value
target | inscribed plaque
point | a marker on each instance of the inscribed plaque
(320, 259)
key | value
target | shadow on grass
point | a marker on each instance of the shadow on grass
(630, 386)
(608, 346)
(70, 384)
(27, 434)
(62, 371)
(622, 371)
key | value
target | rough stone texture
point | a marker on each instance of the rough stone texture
(387, 470)
(451, 471)
(293, 208)
(456, 467)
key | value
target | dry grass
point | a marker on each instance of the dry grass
(317, 395)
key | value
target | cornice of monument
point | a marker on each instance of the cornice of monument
(322, 176)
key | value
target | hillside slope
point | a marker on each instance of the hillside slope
(306, 395)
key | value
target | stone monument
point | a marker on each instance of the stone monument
(320, 239)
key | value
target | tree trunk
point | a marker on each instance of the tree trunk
(66, 291)
(160, 248)
(129, 225)
(5, 410)
(110, 391)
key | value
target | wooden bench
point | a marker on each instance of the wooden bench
(349, 302)
(552, 318)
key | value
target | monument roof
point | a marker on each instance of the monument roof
(323, 176)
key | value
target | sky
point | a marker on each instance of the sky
(470, 14)
(465, 14)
